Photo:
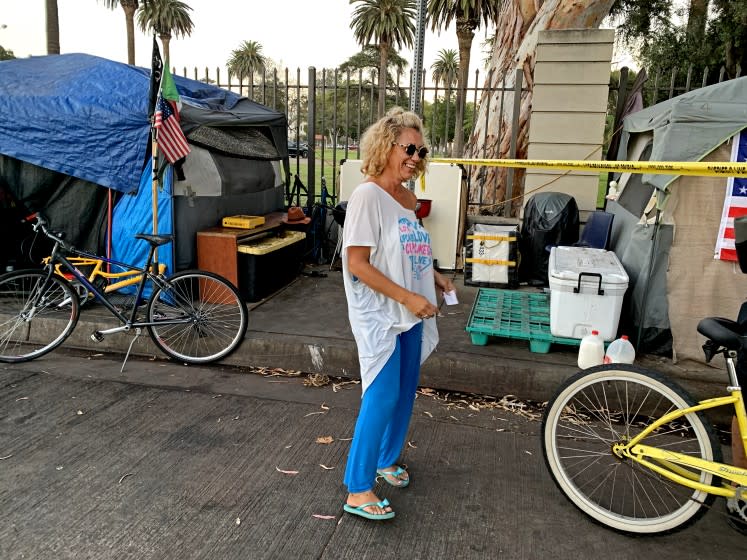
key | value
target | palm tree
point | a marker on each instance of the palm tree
(387, 23)
(446, 67)
(166, 18)
(468, 15)
(53, 27)
(246, 60)
(129, 7)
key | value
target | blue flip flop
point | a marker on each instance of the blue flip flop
(392, 477)
(360, 510)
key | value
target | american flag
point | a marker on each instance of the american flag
(735, 203)
(171, 139)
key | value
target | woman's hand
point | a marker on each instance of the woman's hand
(443, 283)
(419, 306)
(359, 265)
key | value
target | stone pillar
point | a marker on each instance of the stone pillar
(569, 108)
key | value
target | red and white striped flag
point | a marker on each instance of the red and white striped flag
(735, 203)
(171, 139)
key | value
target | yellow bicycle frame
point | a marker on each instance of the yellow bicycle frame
(669, 463)
(131, 277)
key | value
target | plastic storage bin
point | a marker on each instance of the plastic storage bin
(268, 264)
(586, 292)
(491, 256)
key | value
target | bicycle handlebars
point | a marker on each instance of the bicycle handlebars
(39, 222)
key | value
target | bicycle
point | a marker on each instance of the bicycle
(193, 316)
(633, 450)
(96, 275)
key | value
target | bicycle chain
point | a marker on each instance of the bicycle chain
(738, 504)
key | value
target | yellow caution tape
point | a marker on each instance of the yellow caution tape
(698, 168)
(491, 261)
(492, 237)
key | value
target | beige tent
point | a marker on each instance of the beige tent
(666, 228)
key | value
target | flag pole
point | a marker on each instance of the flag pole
(154, 173)
(156, 76)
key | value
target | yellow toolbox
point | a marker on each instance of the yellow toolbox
(243, 222)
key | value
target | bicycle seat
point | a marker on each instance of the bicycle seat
(724, 332)
(155, 240)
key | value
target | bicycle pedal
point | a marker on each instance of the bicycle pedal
(96, 336)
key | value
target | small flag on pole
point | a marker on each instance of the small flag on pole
(171, 139)
(156, 69)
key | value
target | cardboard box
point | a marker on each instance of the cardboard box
(586, 292)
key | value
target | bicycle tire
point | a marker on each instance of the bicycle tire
(56, 314)
(218, 317)
(606, 404)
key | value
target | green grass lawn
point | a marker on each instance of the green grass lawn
(602, 192)
(324, 168)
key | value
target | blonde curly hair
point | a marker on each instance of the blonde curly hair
(378, 140)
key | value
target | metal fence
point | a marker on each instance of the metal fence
(334, 107)
(655, 87)
(666, 84)
(330, 109)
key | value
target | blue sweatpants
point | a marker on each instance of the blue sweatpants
(385, 413)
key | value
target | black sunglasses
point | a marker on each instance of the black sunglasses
(410, 149)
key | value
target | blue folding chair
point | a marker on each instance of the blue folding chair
(597, 231)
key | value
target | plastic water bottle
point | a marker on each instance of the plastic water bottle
(591, 350)
(620, 351)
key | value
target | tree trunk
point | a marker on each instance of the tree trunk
(465, 35)
(383, 62)
(53, 27)
(518, 29)
(697, 14)
(166, 41)
(129, 11)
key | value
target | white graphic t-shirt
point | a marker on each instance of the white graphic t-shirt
(401, 250)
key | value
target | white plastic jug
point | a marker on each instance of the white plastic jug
(591, 350)
(620, 351)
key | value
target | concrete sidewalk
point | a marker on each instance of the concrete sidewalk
(172, 462)
(305, 327)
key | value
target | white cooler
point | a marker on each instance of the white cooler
(586, 292)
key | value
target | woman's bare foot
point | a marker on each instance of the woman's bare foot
(357, 499)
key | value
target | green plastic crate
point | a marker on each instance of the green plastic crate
(513, 314)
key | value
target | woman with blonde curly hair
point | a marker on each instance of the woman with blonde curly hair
(390, 285)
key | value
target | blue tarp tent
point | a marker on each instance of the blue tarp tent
(70, 122)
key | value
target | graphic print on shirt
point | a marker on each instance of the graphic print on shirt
(416, 246)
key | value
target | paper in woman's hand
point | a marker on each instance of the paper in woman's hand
(451, 298)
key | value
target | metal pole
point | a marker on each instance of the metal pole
(417, 63)
(514, 137)
(311, 129)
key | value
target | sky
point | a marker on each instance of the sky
(293, 33)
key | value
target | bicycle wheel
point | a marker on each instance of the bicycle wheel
(36, 314)
(604, 405)
(200, 317)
